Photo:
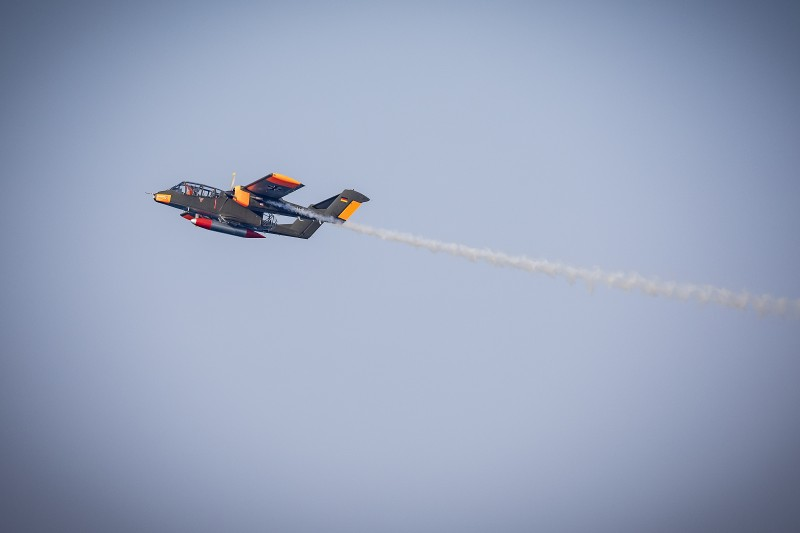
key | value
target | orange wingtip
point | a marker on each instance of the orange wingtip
(283, 181)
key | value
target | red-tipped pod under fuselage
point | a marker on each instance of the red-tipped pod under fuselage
(221, 227)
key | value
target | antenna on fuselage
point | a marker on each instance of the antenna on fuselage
(233, 180)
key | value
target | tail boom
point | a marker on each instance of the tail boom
(340, 208)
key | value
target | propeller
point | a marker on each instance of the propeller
(230, 191)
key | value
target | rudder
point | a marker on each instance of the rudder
(341, 206)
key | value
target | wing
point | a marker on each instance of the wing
(274, 186)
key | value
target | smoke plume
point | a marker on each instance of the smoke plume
(763, 304)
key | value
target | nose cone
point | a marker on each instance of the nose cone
(162, 197)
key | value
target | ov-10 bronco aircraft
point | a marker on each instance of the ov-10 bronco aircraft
(250, 211)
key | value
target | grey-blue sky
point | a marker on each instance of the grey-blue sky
(151, 373)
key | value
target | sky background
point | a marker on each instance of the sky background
(158, 377)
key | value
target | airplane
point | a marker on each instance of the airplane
(251, 210)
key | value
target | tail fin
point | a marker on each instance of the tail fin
(340, 207)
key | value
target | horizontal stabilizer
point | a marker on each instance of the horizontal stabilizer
(300, 228)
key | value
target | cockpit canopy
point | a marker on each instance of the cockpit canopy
(197, 189)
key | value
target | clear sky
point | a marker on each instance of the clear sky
(159, 377)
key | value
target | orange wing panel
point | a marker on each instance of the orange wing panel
(274, 186)
(283, 181)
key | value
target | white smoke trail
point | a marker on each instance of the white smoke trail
(763, 304)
